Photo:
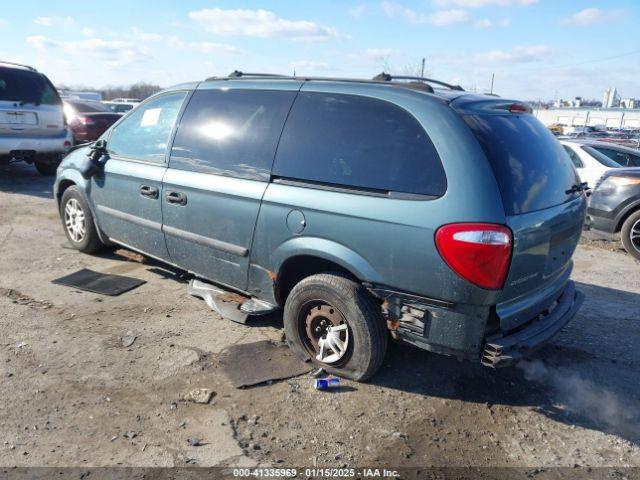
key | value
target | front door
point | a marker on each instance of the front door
(219, 168)
(126, 194)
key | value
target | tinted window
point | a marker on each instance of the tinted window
(26, 86)
(573, 156)
(231, 132)
(601, 157)
(85, 107)
(531, 166)
(119, 107)
(618, 157)
(144, 134)
(358, 142)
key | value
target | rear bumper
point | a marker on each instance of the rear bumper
(505, 348)
(86, 134)
(36, 145)
(601, 224)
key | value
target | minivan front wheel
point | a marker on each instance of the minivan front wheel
(630, 234)
(77, 221)
(336, 324)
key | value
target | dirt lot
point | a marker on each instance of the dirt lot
(72, 395)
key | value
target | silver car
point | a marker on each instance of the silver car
(32, 123)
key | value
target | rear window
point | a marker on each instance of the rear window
(532, 169)
(361, 142)
(87, 107)
(27, 87)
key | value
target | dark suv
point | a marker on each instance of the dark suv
(360, 207)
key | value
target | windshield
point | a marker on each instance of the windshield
(26, 86)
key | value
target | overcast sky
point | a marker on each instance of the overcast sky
(536, 48)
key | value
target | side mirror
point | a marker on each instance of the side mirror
(96, 159)
(98, 150)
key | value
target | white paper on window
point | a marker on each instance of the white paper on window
(150, 117)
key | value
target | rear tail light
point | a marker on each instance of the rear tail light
(85, 120)
(478, 252)
(519, 108)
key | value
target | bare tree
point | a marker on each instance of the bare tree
(414, 69)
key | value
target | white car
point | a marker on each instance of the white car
(589, 162)
(32, 125)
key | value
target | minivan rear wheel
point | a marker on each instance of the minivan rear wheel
(630, 234)
(335, 323)
(77, 221)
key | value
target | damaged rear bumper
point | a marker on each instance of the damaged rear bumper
(461, 330)
(504, 348)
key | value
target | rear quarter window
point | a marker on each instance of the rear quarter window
(361, 142)
(532, 169)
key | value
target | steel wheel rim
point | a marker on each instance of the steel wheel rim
(74, 220)
(634, 235)
(325, 333)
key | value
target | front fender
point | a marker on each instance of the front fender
(70, 169)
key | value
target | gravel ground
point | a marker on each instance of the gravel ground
(72, 395)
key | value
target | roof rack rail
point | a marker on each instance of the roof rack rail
(387, 77)
(418, 83)
(29, 67)
(238, 74)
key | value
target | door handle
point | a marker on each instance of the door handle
(149, 191)
(176, 198)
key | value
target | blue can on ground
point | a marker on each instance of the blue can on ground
(326, 383)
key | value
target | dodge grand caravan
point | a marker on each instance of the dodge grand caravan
(364, 209)
(32, 123)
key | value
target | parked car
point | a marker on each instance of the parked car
(32, 126)
(614, 208)
(119, 107)
(88, 119)
(358, 207)
(556, 129)
(126, 100)
(590, 163)
(578, 130)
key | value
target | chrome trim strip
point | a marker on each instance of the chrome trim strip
(143, 222)
(206, 241)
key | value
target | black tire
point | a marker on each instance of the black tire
(90, 241)
(359, 310)
(631, 226)
(46, 169)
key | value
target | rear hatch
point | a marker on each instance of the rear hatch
(543, 208)
(29, 104)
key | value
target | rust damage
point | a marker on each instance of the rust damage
(232, 297)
